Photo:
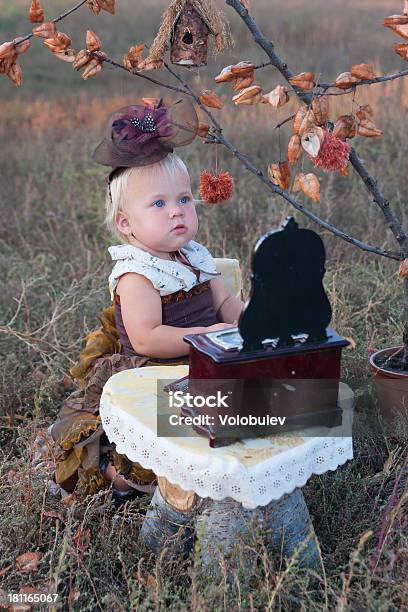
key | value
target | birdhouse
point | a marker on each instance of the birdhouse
(186, 28)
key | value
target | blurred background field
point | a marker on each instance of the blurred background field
(54, 266)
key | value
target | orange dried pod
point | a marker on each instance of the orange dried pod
(367, 128)
(225, 75)
(36, 13)
(92, 69)
(107, 5)
(345, 127)
(242, 69)
(203, 129)
(150, 64)
(249, 95)
(21, 47)
(94, 6)
(151, 102)
(299, 116)
(296, 183)
(344, 171)
(401, 30)
(345, 80)
(6, 50)
(15, 74)
(209, 98)
(280, 174)
(93, 42)
(395, 20)
(311, 141)
(277, 97)
(365, 112)
(303, 80)
(402, 50)
(403, 268)
(309, 184)
(58, 42)
(242, 82)
(321, 107)
(363, 72)
(133, 57)
(66, 55)
(308, 122)
(82, 58)
(294, 149)
(45, 30)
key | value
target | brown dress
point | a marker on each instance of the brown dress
(79, 439)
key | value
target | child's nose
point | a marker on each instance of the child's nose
(176, 210)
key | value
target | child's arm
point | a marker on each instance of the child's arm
(142, 317)
(227, 307)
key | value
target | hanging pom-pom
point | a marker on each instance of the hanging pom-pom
(333, 154)
(216, 188)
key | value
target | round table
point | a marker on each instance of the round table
(250, 471)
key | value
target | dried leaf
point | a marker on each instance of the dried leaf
(94, 6)
(309, 184)
(311, 141)
(22, 47)
(28, 562)
(344, 171)
(308, 122)
(54, 514)
(67, 55)
(68, 500)
(280, 174)
(320, 107)
(15, 74)
(150, 64)
(402, 50)
(367, 128)
(92, 69)
(107, 5)
(133, 57)
(345, 80)
(299, 116)
(151, 102)
(7, 50)
(36, 13)
(58, 42)
(4, 571)
(365, 112)
(294, 149)
(303, 80)
(363, 72)
(225, 75)
(93, 42)
(242, 69)
(403, 269)
(249, 95)
(395, 20)
(82, 539)
(209, 98)
(203, 129)
(242, 82)
(401, 30)
(277, 97)
(45, 30)
(345, 127)
(81, 59)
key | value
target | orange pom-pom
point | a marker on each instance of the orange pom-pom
(216, 188)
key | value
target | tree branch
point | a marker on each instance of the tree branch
(378, 197)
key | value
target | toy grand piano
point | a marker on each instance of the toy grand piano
(282, 359)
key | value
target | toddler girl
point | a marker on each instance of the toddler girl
(163, 286)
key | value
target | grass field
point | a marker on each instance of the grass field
(54, 268)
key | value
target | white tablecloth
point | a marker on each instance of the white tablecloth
(251, 471)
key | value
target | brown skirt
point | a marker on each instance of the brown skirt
(80, 441)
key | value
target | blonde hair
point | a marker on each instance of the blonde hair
(171, 165)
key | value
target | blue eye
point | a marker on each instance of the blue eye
(159, 203)
(187, 198)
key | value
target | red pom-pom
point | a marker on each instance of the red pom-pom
(334, 153)
(216, 188)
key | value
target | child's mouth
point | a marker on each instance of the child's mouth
(179, 229)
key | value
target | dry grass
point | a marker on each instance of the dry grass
(54, 268)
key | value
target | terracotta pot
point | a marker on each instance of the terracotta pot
(391, 387)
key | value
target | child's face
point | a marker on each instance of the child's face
(159, 213)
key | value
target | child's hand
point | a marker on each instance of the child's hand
(218, 327)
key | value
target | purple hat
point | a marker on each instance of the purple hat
(142, 135)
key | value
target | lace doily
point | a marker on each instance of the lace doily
(166, 276)
(252, 471)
